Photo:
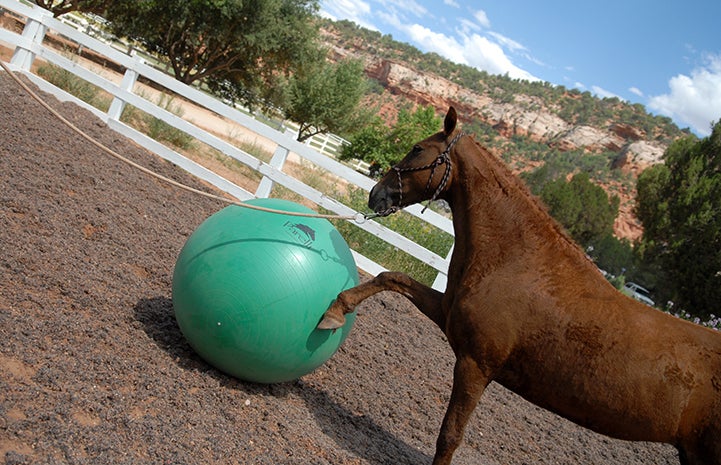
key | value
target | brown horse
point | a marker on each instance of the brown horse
(526, 308)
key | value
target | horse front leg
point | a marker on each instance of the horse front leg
(469, 382)
(426, 299)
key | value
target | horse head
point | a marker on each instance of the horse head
(425, 173)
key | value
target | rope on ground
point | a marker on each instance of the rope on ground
(359, 217)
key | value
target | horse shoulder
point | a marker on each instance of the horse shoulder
(481, 320)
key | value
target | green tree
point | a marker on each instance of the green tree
(582, 207)
(371, 143)
(679, 205)
(414, 126)
(383, 146)
(614, 255)
(652, 203)
(325, 97)
(550, 171)
(237, 46)
(60, 7)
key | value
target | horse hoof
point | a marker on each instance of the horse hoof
(331, 321)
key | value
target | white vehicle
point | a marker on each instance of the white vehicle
(639, 293)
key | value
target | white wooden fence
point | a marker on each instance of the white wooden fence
(29, 45)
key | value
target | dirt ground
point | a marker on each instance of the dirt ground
(93, 368)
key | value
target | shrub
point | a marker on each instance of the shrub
(74, 85)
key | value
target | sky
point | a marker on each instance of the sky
(663, 54)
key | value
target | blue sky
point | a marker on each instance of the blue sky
(664, 54)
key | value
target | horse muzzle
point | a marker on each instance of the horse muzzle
(381, 200)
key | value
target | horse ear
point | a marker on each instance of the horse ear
(449, 124)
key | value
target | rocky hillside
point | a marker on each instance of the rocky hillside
(525, 115)
(633, 139)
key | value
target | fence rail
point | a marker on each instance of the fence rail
(29, 45)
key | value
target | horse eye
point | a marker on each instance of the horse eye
(417, 149)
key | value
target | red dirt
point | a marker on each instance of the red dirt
(93, 368)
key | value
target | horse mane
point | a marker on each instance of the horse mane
(518, 191)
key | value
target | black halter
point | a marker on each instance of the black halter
(443, 158)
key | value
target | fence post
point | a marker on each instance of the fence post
(34, 31)
(323, 143)
(129, 78)
(441, 280)
(277, 162)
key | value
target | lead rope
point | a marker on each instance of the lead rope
(358, 217)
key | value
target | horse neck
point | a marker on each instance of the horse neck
(494, 215)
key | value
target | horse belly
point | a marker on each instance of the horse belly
(613, 391)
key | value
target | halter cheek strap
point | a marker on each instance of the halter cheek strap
(443, 158)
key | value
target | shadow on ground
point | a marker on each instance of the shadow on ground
(358, 434)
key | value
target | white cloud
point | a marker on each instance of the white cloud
(482, 19)
(467, 26)
(408, 6)
(452, 3)
(489, 56)
(504, 41)
(468, 47)
(437, 42)
(603, 93)
(473, 50)
(694, 100)
(390, 17)
(353, 10)
(636, 91)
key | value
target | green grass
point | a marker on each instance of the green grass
(390, 257)
(74, 85)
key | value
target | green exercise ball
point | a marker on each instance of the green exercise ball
(249, 288)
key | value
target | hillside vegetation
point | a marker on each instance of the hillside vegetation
(572, 105)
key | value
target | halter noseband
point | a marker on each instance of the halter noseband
(444, 157)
